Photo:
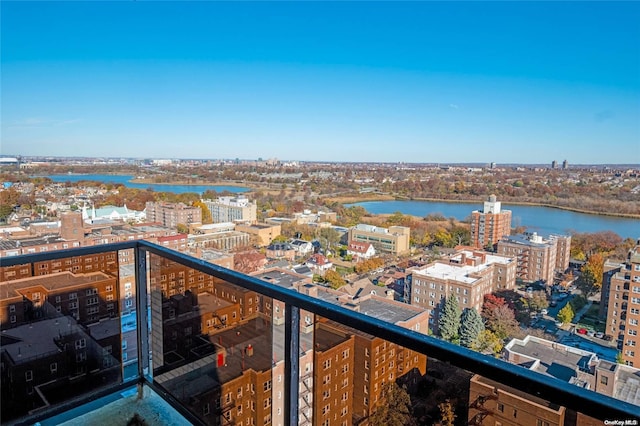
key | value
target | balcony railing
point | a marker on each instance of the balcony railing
(178, 359)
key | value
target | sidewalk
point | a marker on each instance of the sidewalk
(581, 312)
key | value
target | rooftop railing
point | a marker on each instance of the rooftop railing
(205, 373)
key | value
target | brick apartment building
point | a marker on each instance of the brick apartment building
(491, 224)
(620, 304)
(468, 274)
(172, 214)
(538, 258)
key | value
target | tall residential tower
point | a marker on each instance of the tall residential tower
(490, 224)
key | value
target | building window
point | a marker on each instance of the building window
(28, 375)
(604, 380)
(501, 407)
(205, 409)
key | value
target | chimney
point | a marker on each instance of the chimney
(249, 350)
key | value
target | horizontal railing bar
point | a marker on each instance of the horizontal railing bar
(62, 254)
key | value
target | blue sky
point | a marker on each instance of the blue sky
(510, 82)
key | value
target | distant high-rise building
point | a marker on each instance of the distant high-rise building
(621, 302)
(554, 164)
(565, 165)
(490, 224)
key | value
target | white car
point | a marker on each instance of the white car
(544, 312)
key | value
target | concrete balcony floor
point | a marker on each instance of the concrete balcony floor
(119, 409)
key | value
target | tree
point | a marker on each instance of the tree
(502, 321)
(395, 407)
(491, 301)
(471, 326)
(449, 322)
(447, 413)
(182, 228)
(566, 314)
(334, 279)
(206, 213)
(537, 301)
(591, 278)
(330, 236)
(280, 239)
(488, 342)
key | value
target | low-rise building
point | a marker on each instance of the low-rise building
(491, 402)
(262, 234)
(360, 251)
(393, 240)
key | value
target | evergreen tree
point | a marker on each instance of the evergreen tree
(449, 322)
(471, 325)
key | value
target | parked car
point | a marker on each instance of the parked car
(581, 331)
(599, 334)
(544, 312)
(591, 333)
(553, 304)
(608, 337)
(559, 324)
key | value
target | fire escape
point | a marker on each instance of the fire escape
(523, 264)
(305, 398)
(478, 404)
(225, 412)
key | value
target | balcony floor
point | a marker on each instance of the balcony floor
(119, 409)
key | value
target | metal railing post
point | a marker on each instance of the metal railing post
(291, 363)
(142, 320)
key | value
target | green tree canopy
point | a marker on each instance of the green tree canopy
(471, 325)
(566, 314)
(488, 342)
(449, 322)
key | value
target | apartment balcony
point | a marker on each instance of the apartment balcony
(147, 353)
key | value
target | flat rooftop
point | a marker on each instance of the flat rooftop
(282, 278)
(51, 282)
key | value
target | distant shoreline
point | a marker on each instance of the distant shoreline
(183, 183)
(364, 199)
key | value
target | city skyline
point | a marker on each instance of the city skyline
(345, 82)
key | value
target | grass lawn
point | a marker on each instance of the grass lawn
(344, 271)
